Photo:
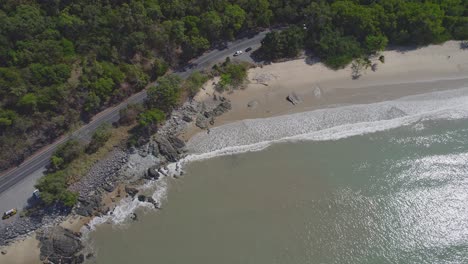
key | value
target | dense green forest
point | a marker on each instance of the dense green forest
(61, 61)
(339, 31)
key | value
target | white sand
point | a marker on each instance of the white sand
(435, 67)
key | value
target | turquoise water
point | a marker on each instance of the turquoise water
(395, 196)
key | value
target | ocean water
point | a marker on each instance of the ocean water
(375, 183)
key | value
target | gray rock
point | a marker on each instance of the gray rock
(143, 152)
(201, 122)
(141, 198)
(153, 172)
(177, 142)
(131, 191)
(294, 98)
(222, 108)
(166, 149)
(208, 114)
(153, 202)
(154, 149)
(108, 187)
(85, 211)
(134, 217)
(132, 150)
(187, 118)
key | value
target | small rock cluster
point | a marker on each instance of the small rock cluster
(207, 117)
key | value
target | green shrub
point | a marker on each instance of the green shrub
(53, 188)
(99, 138)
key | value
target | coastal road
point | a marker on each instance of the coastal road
(17, 184)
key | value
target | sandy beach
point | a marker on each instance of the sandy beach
(432, 68)
(405, 72)
(24, 251)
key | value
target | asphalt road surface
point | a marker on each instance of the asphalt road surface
(17, 184)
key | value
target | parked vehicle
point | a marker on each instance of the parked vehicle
(9, 213)
(36, 194)
(248, 49)
(237, 53)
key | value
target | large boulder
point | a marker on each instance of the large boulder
(294, 98)
(153, 172)
(60, 245)
(166, 149)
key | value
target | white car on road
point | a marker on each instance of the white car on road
(237, 53)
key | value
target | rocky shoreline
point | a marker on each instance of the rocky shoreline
(129, 168)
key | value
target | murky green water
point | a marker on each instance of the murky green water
(399, 196)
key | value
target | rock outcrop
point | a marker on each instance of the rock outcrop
(153, 173)
(166, 149)
(131, 191)
(60, 245)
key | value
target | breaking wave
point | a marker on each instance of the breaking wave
(328, 124)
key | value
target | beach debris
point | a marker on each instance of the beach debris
(4, 252)
(252, 104)
(294, 98)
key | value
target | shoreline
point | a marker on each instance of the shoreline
(265, 96)
(407, 73)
